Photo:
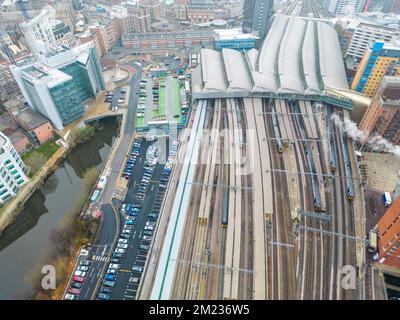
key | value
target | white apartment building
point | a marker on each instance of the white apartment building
(12, 170)
(366, 33)
(345, 7)
(38, 30)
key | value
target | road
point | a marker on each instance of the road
(136, 256)
(109, 221)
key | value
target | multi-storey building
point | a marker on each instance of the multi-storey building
(383, 115)
(380, 59)
(389, 236)
(344, 7)
(364, 34)
(37, 30)
(201, 10)
(256, 16)
(234, 39)
(12, 170)
(155, 40)
(57, 86)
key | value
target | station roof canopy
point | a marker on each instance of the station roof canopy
(299, 56)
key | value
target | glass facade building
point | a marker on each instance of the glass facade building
(57, 87)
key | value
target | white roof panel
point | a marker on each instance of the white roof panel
(330, 57)
(270, 51)
(235, 70)
(309, 56)
(213, 72)
(289, 60)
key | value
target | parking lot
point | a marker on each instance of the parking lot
(148, 179)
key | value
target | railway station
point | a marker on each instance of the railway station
(265, 202)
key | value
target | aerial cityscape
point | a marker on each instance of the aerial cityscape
(200, 150)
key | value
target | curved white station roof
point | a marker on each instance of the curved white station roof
(269, 55)
(309, 56)
(213, 72)
(330, 58)
(236, 72)
(289, 60)
(252, 55)
(298, 56)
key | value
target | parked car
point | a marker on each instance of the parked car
(112, 271)
(83, 268)
(80, 273)
(105, 290)
(104, 296)
(114, 266)
(119, 250)
(78, 279)
(76, 285)
(137, 269)
(122, 240)
(122, 245)
(85, 263)
(117, 255)
(69, 296)
(144, 247)
(109, 284)
(74, 291)
(110, 277)
(147, 238)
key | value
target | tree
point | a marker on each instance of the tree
(82, 134)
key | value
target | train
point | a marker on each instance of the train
(347, 166)
(310, 159)
(277, 133)
(331, 140)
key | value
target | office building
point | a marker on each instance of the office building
(381, 59)
(256, 16)
(383, 115)
(64, 78)
(234, 39)
(12, 170)
(38, 30)
(344, 7)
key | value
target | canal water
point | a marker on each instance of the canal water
(23, 244)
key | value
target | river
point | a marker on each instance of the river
(24, 242)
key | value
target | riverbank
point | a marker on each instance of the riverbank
(10, 212)
(14, 207)
(26, 242)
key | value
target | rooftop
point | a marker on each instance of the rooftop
(298, 56)
(30, 120)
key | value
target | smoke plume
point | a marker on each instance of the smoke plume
(376, 142)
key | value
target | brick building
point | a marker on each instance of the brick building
(383, 115)
(389, 236)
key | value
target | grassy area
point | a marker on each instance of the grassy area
(139, 122)
(35, 159)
